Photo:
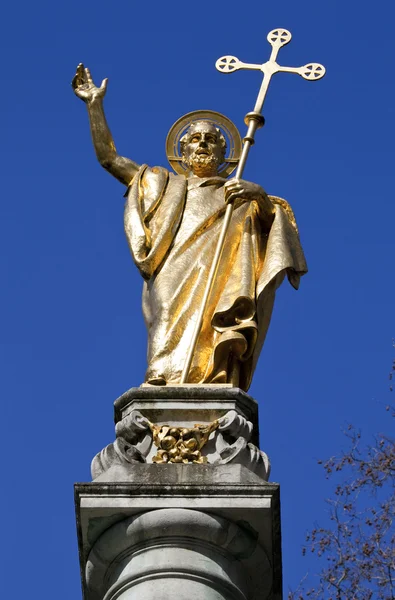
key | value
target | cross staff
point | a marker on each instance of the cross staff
(277, 38)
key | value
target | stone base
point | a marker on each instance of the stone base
(182, 424)
(185, 405)
(180, 531)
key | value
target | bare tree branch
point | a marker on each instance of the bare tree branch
(359, 546)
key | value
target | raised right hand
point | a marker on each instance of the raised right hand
(84, 87)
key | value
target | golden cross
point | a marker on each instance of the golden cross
(277, 39)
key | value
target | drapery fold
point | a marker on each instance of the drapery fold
(172, 225)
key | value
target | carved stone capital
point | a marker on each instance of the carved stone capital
(225, 440)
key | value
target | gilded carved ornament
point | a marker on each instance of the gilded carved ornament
(181, 444)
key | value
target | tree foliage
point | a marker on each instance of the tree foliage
(358, 547)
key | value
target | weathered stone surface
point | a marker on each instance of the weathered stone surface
(125, 525)
(183, 545)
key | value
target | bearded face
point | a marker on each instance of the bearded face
(203, 150)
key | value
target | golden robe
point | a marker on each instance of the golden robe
(172, 225)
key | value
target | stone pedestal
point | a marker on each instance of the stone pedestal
(141, 414)
(207, 530)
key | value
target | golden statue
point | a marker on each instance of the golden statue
(173, 223)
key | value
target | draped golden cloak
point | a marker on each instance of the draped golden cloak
(172, 225)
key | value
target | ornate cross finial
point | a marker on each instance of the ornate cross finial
(277, 39)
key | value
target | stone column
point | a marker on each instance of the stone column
(207, 528)
(173, 553)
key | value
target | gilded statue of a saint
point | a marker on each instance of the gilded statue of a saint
(172, 224)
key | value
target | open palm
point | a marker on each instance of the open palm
(84, 87)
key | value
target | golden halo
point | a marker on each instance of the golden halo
(229, 130)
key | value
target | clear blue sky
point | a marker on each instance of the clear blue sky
(72, 335)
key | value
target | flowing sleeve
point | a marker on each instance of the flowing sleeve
(284, 253)
(153, 211)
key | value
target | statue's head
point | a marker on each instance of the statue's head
(203, 149)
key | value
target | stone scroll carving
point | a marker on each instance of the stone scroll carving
(132, 445)
(232, 445)
(225, 440)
